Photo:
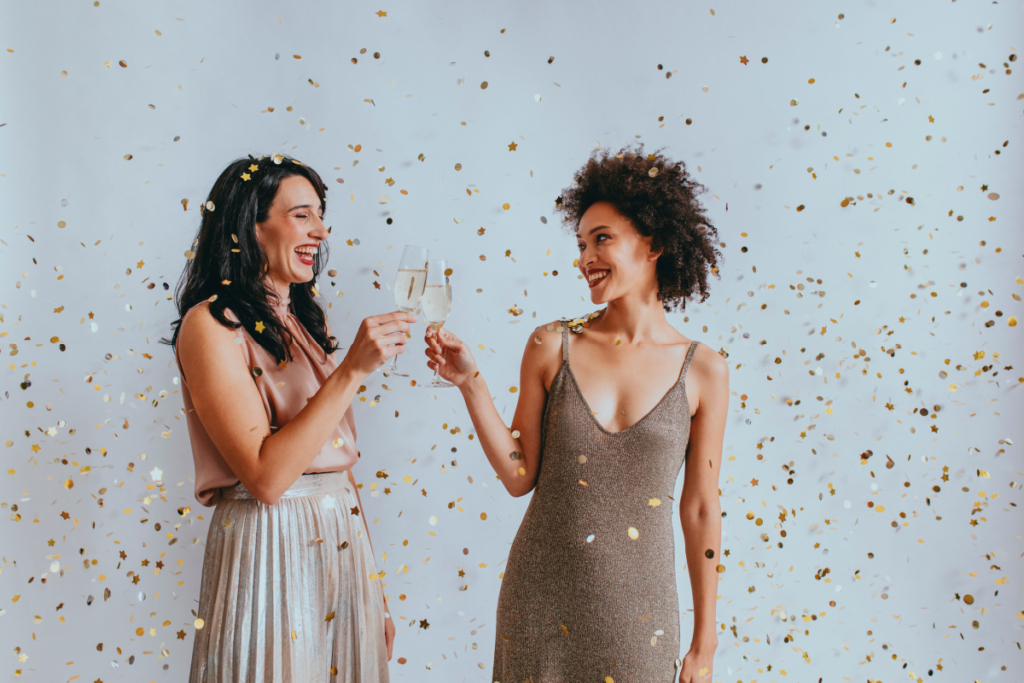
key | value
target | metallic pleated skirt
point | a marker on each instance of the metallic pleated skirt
(289, 591)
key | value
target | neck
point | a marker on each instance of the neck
(635, 317)
(278, 288)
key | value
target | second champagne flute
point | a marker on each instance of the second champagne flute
(409, 282)
(437, 303)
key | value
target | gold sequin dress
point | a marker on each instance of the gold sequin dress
(589, 590)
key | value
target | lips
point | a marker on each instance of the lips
(306, 258)
(601, 276)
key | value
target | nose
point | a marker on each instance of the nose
(319, 229)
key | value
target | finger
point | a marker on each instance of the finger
(384, 318)
(389, 328)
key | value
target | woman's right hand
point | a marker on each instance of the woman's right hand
(379, 338)
(449, 355)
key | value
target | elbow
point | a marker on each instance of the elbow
(263, 493)
(520, 490)
(700, 510)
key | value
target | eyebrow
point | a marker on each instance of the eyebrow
(305, 206)
(595, 229)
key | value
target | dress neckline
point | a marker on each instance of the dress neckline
(680, 381)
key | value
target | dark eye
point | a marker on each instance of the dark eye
(301, 215)
(599, 237)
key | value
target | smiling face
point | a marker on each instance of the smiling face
(292, 232)
(614, 258)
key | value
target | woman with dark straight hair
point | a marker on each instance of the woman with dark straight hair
(290, 589)
(589, 590)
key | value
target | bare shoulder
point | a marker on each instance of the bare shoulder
(200, 330)
(709, 363)
(712, 375)
(543, 354)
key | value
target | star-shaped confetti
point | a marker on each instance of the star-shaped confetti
(260, 326)
(512, 146)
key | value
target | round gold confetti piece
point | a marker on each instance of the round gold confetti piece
(483, 516)
(581, 459)
(654, 502)
(653, 172)
(968, 599)
(1012, 321)
(633, 533)
(447, 271)
(483, 86)
(61, 224)
(720, 569)
(506, 206)
(199, 624)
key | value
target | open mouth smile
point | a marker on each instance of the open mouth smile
(306, 254)
(595, 277)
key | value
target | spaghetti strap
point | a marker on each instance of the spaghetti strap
(689, 357)
(565, 340)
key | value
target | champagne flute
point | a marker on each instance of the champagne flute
(409, 282)
(437, 303)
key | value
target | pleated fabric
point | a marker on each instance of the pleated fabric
(290, 591)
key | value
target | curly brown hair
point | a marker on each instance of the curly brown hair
(660, 199)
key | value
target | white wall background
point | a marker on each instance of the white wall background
(873, 576)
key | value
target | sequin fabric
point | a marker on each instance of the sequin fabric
(589, 589)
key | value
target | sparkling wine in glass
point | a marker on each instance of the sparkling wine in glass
(409, 282)
(437, 303)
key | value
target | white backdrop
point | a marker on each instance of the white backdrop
(870, 484)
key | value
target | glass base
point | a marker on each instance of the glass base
(439, 384)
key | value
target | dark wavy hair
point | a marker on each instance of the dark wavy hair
(226, 250)
(660, 199)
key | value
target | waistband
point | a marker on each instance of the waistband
(306, 485)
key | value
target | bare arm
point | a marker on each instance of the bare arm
(700, 510)
(232, 411)
(516, 460)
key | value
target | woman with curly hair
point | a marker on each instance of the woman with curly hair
(589, 590)
(290, 589)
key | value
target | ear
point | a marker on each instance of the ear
(652, 253)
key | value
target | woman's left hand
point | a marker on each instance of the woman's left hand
(389, 631)
(697, 664)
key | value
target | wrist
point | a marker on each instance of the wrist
(704, 642)
(472, 384)
(348, 374)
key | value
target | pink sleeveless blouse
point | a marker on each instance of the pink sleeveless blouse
(284, 391)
